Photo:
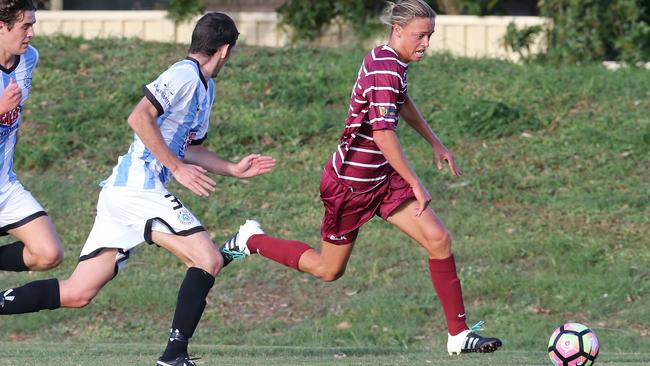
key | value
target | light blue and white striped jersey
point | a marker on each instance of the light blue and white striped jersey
(21, 72)
(183, 99)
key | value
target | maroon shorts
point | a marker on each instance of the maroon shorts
(346, 211)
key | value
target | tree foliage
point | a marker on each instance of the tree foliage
(309, 18)
(183, 10)
(589, 30)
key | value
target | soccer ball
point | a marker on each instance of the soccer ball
(573, 344)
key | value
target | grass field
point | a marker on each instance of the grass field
(101, 354)
(550, 219)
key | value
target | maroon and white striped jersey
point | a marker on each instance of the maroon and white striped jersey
(377, 96)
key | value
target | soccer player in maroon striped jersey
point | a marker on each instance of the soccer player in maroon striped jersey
(369, 175)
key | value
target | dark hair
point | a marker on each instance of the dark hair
(10, 10)
(212, 31)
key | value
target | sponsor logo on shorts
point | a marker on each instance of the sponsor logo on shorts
(185, 217)
(338, 238)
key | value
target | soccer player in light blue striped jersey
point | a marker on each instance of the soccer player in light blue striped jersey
(170, 123)
(21, 216)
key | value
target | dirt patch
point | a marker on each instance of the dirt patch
(290, 299)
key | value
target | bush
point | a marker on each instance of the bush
(309, 18)
(183, 10)
(590, 30)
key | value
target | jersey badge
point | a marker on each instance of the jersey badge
(388, 112)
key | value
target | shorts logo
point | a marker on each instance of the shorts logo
(185, 217)
(338, 238)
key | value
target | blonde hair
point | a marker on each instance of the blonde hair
(403, 11)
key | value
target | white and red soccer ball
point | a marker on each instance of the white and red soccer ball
(573, 344)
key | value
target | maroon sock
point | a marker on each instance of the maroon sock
(447, 285)
(287, 252)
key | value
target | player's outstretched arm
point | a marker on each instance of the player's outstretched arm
(412, 115)
(143, 122)
(250, 166)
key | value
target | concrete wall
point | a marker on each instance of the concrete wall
(461, 35)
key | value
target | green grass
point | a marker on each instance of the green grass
(100, 354)
(550, 219)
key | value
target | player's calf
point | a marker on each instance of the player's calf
(30, 298)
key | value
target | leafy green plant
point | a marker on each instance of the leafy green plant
(589, 30)
(309, 18)
(521, 40)
(184, 10)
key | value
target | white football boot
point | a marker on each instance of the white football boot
(469, 341)
(236, 247)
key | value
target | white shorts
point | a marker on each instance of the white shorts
(17, 207)
(127, 216)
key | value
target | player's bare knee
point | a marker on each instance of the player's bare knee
(331, 276)
(211, 263)
(438, 243)
(79, 299)
(48, 259)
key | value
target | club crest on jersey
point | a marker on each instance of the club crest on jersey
(27, 83)
(185, 217)
(388, 112)
(9, 118)
(164, 93)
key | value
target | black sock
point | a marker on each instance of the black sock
(11, 257)
(189, 308)
(30, 298)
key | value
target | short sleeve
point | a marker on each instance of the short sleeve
(172, 90)
(383, 97)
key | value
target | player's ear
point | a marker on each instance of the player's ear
(397, 29)
(224, 51)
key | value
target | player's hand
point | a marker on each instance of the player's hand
(11, 97)
(423, 197)
(442, 155)
(193, 177)
(253, 165)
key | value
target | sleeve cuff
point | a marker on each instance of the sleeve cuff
(153, 100)
(199, 141)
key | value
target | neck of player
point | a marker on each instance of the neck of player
(7, 59)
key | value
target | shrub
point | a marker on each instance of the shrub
(183, 10)
(590, 30)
